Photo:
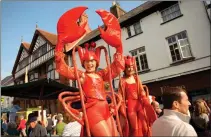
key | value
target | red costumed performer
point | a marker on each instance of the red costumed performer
(97, 119)
(137, 114)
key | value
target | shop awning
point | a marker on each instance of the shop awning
(44, 89)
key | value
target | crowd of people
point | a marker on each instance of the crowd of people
(177, 119)
(33, 127)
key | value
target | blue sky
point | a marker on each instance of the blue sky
(18, 18)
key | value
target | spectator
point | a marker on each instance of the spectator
(156, 107)
(175, 120)
(200, 118)
(73, 128)
(4, 122)
(27, 123)
(54, 119)
(12, 129)
(37, 129)
(49, 124)
(59, 126)
(22, 126)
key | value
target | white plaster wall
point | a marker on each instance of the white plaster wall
(194, 21)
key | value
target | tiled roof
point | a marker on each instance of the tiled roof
(145, 6)
(26, 45)
(52, 38)
(6, 80)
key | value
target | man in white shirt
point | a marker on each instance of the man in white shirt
(175, 120)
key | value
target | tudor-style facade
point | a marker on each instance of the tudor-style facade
(37, 59)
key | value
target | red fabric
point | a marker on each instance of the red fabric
(94, 88)
(98, 112)
(139, 108)
(131, 91)
(22, 124)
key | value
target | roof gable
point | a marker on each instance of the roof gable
(42, 36)
(22, 53)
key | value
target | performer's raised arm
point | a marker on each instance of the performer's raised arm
(116, 67)
(63, 69)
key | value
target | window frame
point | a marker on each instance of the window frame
(34, 76)
(137, 54)
(39, 51)
(171, 12)
(139, 27)
(52, 71)
(129, 34)
(182, 57)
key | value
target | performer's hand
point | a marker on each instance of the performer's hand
(113, 110)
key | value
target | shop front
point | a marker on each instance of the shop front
(197, 85)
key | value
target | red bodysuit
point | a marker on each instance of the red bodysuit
(132, 97)
(136, 109)
(95, 100)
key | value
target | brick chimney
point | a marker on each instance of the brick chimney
(116, 9)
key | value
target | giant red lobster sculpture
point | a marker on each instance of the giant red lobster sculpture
(91, 93)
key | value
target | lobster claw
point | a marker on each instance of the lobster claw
(112, 32)
(68, 29)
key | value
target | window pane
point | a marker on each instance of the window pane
(179, 36)
(50, 67)
(173, 58)
(183, 42)
(135, 53)
(137, 28)
(44, 49)
(184, 35)
(32, 77)
(141, 57)
(128, 31)
(146, 66)
(178, 57)
(137, 63)
(36, 75)
(185, 52)
(173, 39)
(56, 75)
(177, 51)
(169, 40)
(141, 50)
(171, 47)
(165, 19)
(172, 52)
(52, 74)
(175, 46)
(48, 75)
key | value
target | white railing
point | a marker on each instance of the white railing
(36, 63)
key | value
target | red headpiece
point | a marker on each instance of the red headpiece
(89, 53)
(129, 60)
